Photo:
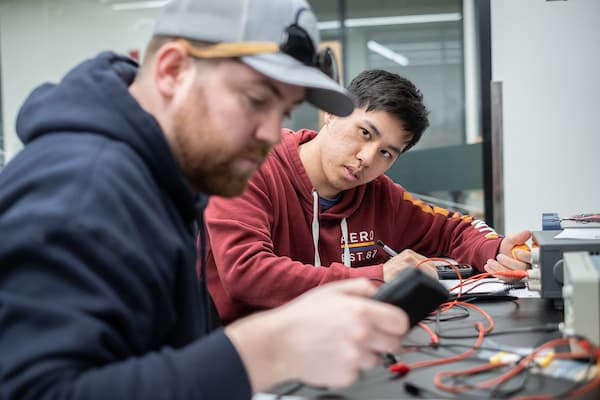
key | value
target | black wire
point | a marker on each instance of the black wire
(496, 392)
(448, 345)
(438, 318)
(494, 296)
(550, 327)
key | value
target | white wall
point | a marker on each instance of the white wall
(41, 40)
(547, 54)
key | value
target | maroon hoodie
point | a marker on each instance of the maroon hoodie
(262, 249)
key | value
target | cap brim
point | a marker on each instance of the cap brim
(321, 91)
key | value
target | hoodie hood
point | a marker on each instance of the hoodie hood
(94, 98)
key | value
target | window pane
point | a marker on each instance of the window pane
(420, 40)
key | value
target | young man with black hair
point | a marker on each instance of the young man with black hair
(315, 210)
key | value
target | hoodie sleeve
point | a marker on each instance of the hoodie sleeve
(247, 252)
(98, 294)
(434, 231)
(71, 302)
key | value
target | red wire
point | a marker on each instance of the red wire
(480, 328)
(437, 379)
(450, 264)
(405, 368)
(458, 357)
(517, 369)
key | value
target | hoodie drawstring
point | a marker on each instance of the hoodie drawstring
(344, 227)
(315, 232)
(315, 227)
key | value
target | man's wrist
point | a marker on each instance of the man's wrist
(259, 340)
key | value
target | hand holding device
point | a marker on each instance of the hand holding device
(443, 271)
(415, 292)
(521, 246)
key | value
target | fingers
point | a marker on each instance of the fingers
(373, 317)
(504, 263)
(382, 343)
(429, 268)
(334, 333)
(378, 328)
(413, 256)
(493, 267)
(521, 237)
(406, 259)
(522, 255)
(518, 238)
(510, 241)
(513, 254)
(358, 287)
(386, 318)
(510, 263)
(367, 360)
(517, 248)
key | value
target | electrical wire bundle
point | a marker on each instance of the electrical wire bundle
(509, 369)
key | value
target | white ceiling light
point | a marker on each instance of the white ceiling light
(387, 53)
(395, 20)
(137, 5)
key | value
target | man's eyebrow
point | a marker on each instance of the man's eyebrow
(378, 134)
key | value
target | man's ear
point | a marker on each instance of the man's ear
(328, 118)
(171, 63)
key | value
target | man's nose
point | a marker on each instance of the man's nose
(269, 130)
(366, 155)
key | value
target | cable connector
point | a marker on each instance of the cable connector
(512, 274)
(534, 285)
(534, 273)
(389, 359)
(400, 369)
(545, 360)
(504, 358)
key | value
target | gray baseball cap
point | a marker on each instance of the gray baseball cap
(252, 21)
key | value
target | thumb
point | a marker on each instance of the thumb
(512, 240)
(521, 237)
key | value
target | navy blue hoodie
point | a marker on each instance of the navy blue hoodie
(98, 293)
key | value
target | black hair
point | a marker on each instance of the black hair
(379, 90)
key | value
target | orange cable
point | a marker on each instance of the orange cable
(458, 357)
(435, 340)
